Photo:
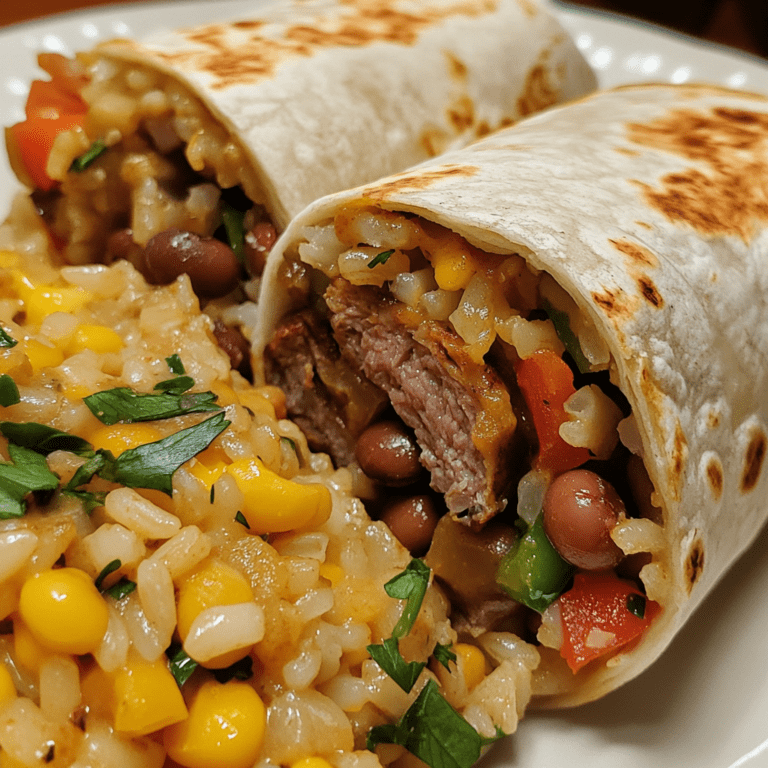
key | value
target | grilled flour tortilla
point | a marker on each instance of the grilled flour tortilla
(299, 100)
(623, 237)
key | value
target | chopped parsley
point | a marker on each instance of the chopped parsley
(109, 568)
(79, 164)
(122, 404)
(240, 670)
(9, 392)
(26, 473)
(380, 258)
(240, 518)
(444, 655)
(152, 465)
(6, 340)
(43, 439)
(409, 585)
(175, 365)
(432, 730)
(387, 656)
(180, 664)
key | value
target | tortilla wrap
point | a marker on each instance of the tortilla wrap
(646, 204)
(304, 99)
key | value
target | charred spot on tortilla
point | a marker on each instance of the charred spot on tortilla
(714, 474)
(456, 67)
(528, 7)
(538, 92)
(461, 113)
(753, 462)
(713, 418)
(422, 180)
(722, 195)
(636, 253)
(678, 459)
(243, 61)
(614, 302)
(650, 292)
(694, 565)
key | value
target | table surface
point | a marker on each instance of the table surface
(730, 22)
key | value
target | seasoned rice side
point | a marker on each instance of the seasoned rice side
(259, 575)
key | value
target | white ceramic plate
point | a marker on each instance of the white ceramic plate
(705, 703)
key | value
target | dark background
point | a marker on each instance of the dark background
(739, 23)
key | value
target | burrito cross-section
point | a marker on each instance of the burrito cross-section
(565, 323)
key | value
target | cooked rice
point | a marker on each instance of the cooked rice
(317, 594)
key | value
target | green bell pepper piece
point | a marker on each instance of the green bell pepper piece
(532, 572)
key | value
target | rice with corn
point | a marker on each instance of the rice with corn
(259, 564)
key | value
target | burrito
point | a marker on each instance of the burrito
(224, 132)
(544, 357)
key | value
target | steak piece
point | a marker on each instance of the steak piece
(459, 410)
(330, 402)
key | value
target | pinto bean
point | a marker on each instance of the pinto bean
(237, 347)
(121, 245)
(388, 453)
(412, 520)
(580, 510)
(258, 243)
(211, 265)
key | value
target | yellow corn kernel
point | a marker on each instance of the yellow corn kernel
(225, 726)
(121, 437)
(7, 688)
(453, 265)
(256, 402)
(274, 504)
(42, 300)
(29, 653)
(276, 396)
(42, 355)
(334, 573)
(97, 338)
(214, 584)
(64, 610)
(312, 762)
(209, 465)
(9, 259)
(146, 697)
(471, 661)
(224, 393)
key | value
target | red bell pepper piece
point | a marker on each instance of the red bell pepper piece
(546, 382)
(33, 141)
(600, 614)
(47, 99)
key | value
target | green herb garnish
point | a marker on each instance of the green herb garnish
(96, 149)
(122, 404)
(26, 473)
(90, 500)
(410, 585)
(232, 219)
(121, 589)
(636, 605)
(9, 392)
(175, 365)
(6, 340)
(43, 439)
(110, 567)
(180, 664)
(387, 656)
(240, 518)
(152, 465)
(432, 730)
(444, 655)
(381, 258)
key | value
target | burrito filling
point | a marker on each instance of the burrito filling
(127, 163)
(475, 402)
